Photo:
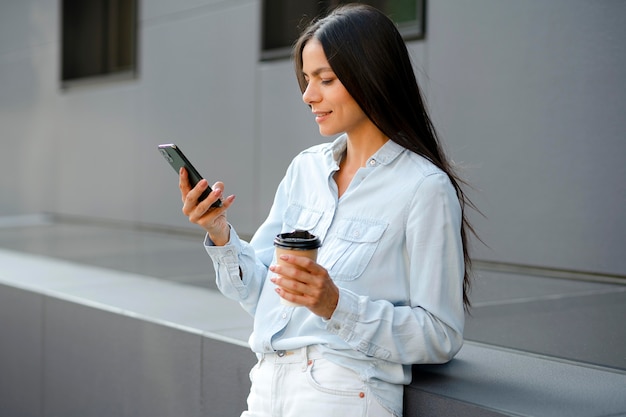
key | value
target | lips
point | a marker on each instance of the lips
(320, 116)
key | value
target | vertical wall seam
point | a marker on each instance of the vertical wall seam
(202, 405)
(42, 371)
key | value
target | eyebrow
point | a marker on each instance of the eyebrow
(317, 71)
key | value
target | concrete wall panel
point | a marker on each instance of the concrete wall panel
(225, 376)
(102, 363)
(21, 351)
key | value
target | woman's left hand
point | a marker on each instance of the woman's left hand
(305, 282)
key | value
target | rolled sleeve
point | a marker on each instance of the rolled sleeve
(238, 273)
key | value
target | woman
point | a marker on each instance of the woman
(390, 283)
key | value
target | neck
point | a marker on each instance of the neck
(361, 147)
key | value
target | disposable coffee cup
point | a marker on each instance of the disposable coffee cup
(299, 243)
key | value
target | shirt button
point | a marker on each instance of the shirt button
(284, 315)
(372, 162)
(336, 326)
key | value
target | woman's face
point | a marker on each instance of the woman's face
(334, 108)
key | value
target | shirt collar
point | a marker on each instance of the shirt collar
(384, 156)
(387, 153)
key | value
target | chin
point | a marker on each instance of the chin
(328, 132)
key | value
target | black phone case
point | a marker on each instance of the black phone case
(175, 157)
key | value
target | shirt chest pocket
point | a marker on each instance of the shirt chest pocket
(301, 218)
(349, 250)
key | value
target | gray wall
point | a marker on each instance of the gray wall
(65, 358)
(527, 96)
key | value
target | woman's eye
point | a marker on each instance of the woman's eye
(326, 82)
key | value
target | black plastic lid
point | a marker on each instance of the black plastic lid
(298, 239)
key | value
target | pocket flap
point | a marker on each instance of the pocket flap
(360, 230)
(302, 218)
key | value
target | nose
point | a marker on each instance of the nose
(311, 94)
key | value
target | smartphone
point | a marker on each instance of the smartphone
(177, 160)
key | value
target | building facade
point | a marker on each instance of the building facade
(527, 96)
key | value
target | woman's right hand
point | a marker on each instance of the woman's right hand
(211, 219)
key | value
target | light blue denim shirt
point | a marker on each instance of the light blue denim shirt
(391, 244)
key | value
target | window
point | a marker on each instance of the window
(284, 19)
(98, 39)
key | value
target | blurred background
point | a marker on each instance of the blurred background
(528, 97)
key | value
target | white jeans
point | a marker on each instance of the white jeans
(301, 383)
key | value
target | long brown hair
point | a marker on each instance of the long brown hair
(369, 56)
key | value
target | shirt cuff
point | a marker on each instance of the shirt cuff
(345, 316)
(226, 258)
